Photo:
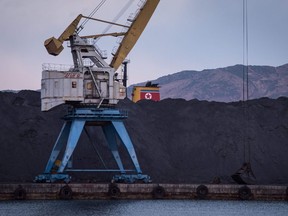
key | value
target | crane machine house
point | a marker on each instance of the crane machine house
(91, 80)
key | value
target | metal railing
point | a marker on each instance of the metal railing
(57, 67)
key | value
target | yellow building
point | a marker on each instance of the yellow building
(146, 93)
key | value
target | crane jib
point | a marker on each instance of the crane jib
(134, 32)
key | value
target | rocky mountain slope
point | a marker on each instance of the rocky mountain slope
(176, 141)
(225, 84)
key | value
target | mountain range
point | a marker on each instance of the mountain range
(224, 84)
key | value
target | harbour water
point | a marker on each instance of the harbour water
(143, 208)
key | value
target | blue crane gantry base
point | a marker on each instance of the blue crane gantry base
(111, 121)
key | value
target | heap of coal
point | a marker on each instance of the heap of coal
(176, 141)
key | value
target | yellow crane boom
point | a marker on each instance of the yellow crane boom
(134, 32)
(54, 46)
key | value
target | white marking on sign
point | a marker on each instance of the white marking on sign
(148, 96)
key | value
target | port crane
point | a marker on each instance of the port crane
(92, 90)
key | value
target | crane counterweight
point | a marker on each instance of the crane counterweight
(53, 46)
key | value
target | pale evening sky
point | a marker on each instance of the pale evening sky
(181, 35)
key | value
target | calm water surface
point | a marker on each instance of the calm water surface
(143, 207)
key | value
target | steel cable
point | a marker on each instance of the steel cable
(90, 15)
(245, 93)
(121, 12)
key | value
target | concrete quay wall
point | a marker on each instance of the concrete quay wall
(46, 191)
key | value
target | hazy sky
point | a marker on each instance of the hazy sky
(182, 35)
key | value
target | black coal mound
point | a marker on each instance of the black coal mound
(176, 141)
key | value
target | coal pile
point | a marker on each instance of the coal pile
(176, 141)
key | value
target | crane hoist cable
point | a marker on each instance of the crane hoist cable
(245, 175)
(245, 93)
(121, 12)
(79, 29)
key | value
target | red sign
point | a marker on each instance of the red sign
(72, 75)
(147, 95)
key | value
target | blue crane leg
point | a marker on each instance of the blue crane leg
(110, 135)
(123, 135)
(62, 138)
(74, 135)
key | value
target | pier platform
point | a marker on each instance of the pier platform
(77, 191)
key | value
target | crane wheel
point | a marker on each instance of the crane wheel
(244, 193)
(202, 191)
(114, 191)
(65, 193)
(20, 193)
(158, 192)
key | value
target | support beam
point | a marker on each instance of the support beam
(110, 135)
(75, 132)
(62, 138)
(111, 121)
(124, 137)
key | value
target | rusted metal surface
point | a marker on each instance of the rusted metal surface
(34, 191)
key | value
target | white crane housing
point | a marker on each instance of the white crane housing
(93, 83)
